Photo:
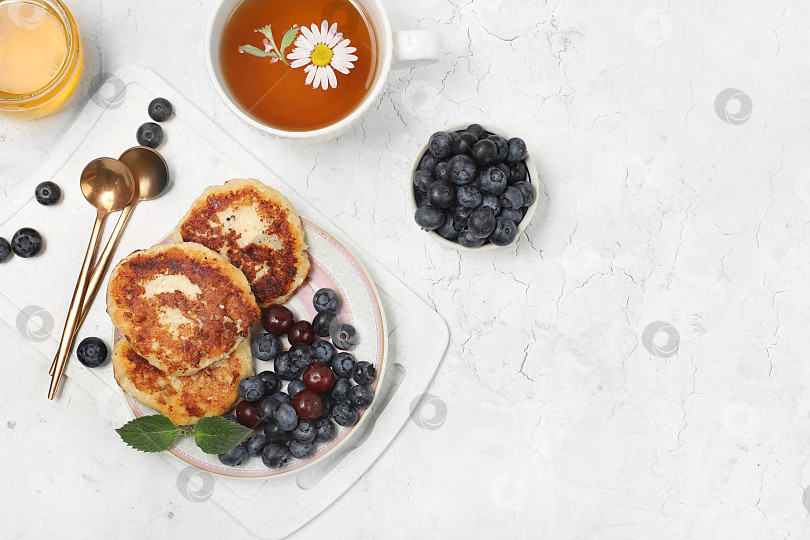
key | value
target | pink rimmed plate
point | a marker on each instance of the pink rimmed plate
(335, 267)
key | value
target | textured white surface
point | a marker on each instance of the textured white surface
(559, 422)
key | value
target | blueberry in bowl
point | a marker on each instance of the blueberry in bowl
(473, 187)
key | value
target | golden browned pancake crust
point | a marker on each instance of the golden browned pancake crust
(257, 229)
(184, 400)
(181, 306)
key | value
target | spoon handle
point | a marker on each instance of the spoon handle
(75, 306)
(99, 271)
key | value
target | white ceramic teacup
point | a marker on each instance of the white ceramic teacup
(397, 49)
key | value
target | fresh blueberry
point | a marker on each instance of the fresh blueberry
(266, 346)
(468, 240)
(477, 130)
(482, 223)
(5, 250)
(449, 230)
(484, 151)
(323, 352)
(345, 337)
(282, 397)
(275, 455)
(285, 417)
(326, 430)
(464, 143)
(324, 323)
(517, 150)
(160, 109)
(92, 352)
(272, 383)
(502, 146)
(507, 172)
(441, 194)
(326, 299)
(231, 418)
(441, 144)
(511, 198)
(469, 196)
(422, 200)
(345, 414)
(421, 180)
(255, 444)
(428, 217)
(361, 396)
(504, 234)
(493, 203)
(461, 170)
(295, 386)
(267, 409)
(301, 450)
(527, 190)
(429, 162)
(149, 134)
(492, 181)
(252, 389)
(235, 457)
(343, 364)
(363, 372)
(461, 216)
(441, 171)
(47, 193)
(518, 172)
(340, 392)
(275, 434)
(301, 356)
(305, 431)
(285, 368)
(26, 243)
(515, 216)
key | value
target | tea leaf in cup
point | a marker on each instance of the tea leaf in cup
(255, 51)
(289, 37)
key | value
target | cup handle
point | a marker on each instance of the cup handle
(414, 48)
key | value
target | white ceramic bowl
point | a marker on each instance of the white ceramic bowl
(530, 170)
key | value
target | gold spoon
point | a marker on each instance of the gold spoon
(151, 175)
(108, 185)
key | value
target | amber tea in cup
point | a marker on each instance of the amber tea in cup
(40, 57)
(301, 65)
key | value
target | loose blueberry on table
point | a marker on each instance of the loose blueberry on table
(149, 134)
(471, 187)
(26, 243)
(5, 250)
(47, 193)
(160, 109)
(92, 352)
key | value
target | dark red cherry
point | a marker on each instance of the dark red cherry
(277, 320)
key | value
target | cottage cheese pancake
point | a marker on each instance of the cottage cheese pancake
(184, 400)
(257, 229)
(181, 306)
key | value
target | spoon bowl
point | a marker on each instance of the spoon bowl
(149, 170)
(107, 184)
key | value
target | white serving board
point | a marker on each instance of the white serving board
(37, 291)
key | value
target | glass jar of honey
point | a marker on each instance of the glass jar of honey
(41, 57)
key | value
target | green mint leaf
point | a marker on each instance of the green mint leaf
(255, 51)
(289, 37)
(154, 433)
(217, 435)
